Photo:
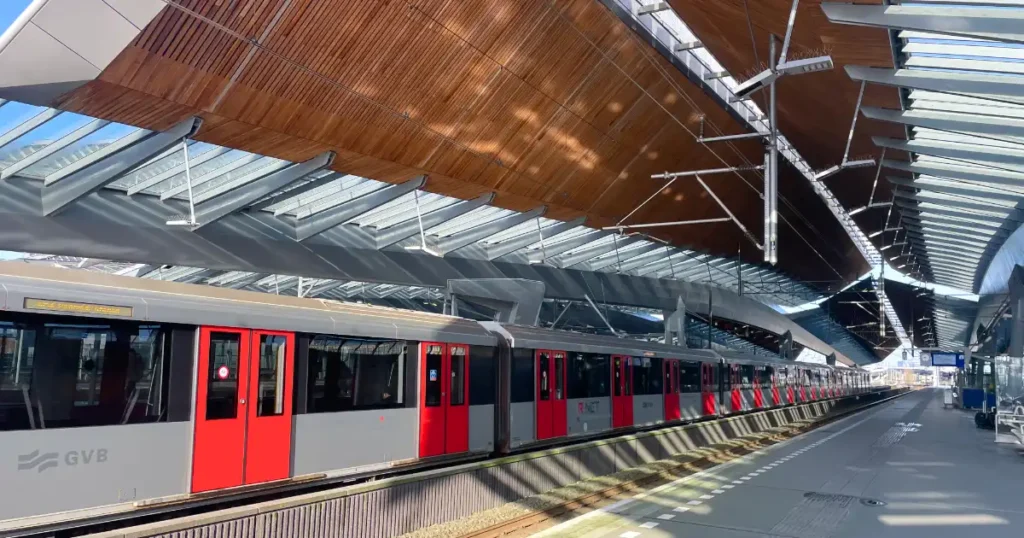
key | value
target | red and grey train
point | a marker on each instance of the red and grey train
(117, 391)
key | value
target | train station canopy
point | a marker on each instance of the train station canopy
(519, 135)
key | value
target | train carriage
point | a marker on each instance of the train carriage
(116, 391)
(566, 384)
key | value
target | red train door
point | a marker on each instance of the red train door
(457, 418)
(543, 366)
(552, 409)
(671, 390)
(758, 386)
(707, 388)
(243, 408)
(559, 405)
(622, 394)
(737, 399)
(444, 395)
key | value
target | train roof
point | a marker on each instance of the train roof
(539, 338)
(74, 292)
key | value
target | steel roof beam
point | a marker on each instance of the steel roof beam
(933, 223)
(522, 241)
(958, 229)
(1011, 213)
(218, 207)
(322, 221)
(995, 24)
(587, 254)
(89, 179)
(966, 173)
(934, 239)
(410, 228)
(948, 121)
(953, 150)
(483, 231)
(954, 215)
(973, 83)
(927, 184)
(954, 251)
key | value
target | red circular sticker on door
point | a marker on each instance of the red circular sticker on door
(222, 372)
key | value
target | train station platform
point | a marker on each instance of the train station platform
(907, 468)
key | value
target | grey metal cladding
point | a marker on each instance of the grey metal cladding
(170, 302)
(540, 338)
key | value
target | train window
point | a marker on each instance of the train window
(725, 375)
(544, 389)
(481, 375)
(355, 373)
(559, 376)
(222, 390)
(746, 374)
(63, 372)
(689, 377)
(617, 375)
(273, 357)
(522, 375)
(627, 387)
(767, 373)
(458, 388)
(589, 376)
(647, 376)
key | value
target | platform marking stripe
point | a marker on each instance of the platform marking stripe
(649, 525)
(695, 503)
(718, 491)
(707, 497)
(728, 486)
(630, 534)
(681, 509)
(667, 517)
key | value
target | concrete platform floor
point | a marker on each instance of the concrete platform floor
(907, 468)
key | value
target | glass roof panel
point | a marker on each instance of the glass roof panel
(95, 141)
(527, 227)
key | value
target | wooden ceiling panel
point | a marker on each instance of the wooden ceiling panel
(558, 104)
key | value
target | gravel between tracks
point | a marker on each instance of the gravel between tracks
(488, 518)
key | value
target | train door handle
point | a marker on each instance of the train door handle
(242, 401)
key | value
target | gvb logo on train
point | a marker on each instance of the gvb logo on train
(40, 461)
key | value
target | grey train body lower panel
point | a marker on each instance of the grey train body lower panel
(48, 471)
(325, 442)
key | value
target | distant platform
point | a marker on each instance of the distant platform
(908, 468)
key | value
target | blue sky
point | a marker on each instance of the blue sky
(10, 9)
